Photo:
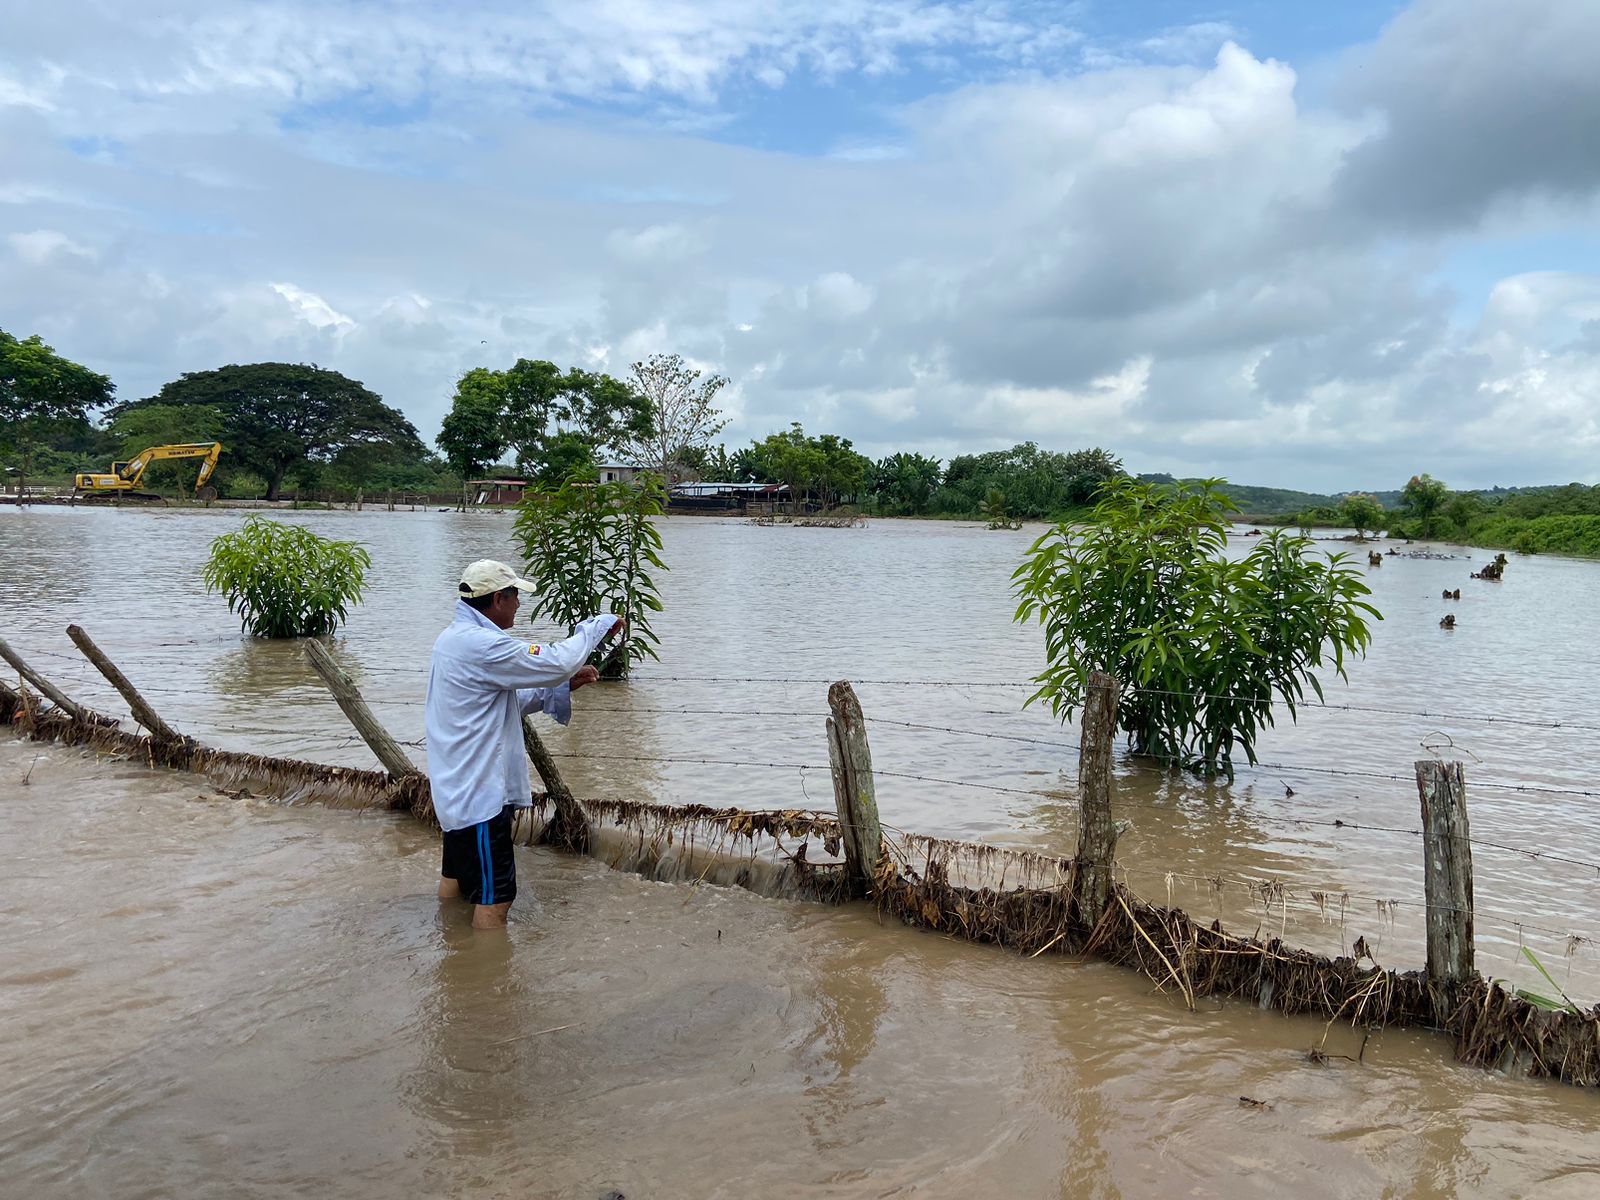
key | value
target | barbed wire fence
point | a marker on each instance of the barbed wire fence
(1267, 889)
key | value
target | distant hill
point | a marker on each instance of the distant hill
(1261, 501)
(1279, 502)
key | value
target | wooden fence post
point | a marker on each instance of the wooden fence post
(160, 731)
(344, 691)
(1097, 832)
(853, 793)
(570, 825)
(1447, 880)
(49, 690)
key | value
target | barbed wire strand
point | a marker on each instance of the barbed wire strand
(649, 677)
(1259, 768)
(1055, 796)
(1303, 897)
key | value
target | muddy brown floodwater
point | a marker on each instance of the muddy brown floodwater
(215, 995)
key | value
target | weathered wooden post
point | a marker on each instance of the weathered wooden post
(1447, 880)
(569, 827)
(1097, 832)
(143, 713)
(348, 696)
(49, 690)
(853, 794)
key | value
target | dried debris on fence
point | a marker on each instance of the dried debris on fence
(1492, 1027)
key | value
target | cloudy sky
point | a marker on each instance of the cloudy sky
(1310, 245)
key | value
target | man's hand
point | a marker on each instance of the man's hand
(584, 675)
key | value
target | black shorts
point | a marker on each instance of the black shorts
(479, 859)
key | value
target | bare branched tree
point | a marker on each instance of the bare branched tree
(683, 418)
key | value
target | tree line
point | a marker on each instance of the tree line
(307, 427)
(278, 422)
(1559, 519)
(1031, 483)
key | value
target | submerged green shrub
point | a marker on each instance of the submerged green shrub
(283, 580)
(1205, 645)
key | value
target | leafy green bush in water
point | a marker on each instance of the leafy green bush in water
(591, 548)
(285, 581)
(994, 507)
(1203, 646)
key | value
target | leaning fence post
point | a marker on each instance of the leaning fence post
(853, 793)
(143, 713)
(344, 691)
(49, 690)
(1097, 832)
(570, 826)
(1447, 879)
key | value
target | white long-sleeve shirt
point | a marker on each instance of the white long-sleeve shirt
(481, 683)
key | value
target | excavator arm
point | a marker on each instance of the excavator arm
(134, 470)
(126, 476)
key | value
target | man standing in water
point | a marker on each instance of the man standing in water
(480, 685)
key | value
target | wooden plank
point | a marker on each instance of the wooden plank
(349, 698)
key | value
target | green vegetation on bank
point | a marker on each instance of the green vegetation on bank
(1022, 483)
(45, 400)
(1571, 534)
(281, 425)
(1544, 520)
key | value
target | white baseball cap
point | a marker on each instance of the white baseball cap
(486, 576)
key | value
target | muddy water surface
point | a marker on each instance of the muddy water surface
(208, 995)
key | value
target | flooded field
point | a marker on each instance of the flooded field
(218, 995)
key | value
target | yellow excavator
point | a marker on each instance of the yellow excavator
(124, 477)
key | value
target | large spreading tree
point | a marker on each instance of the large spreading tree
(42, 396)
(1036, 483)
(277, 416)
